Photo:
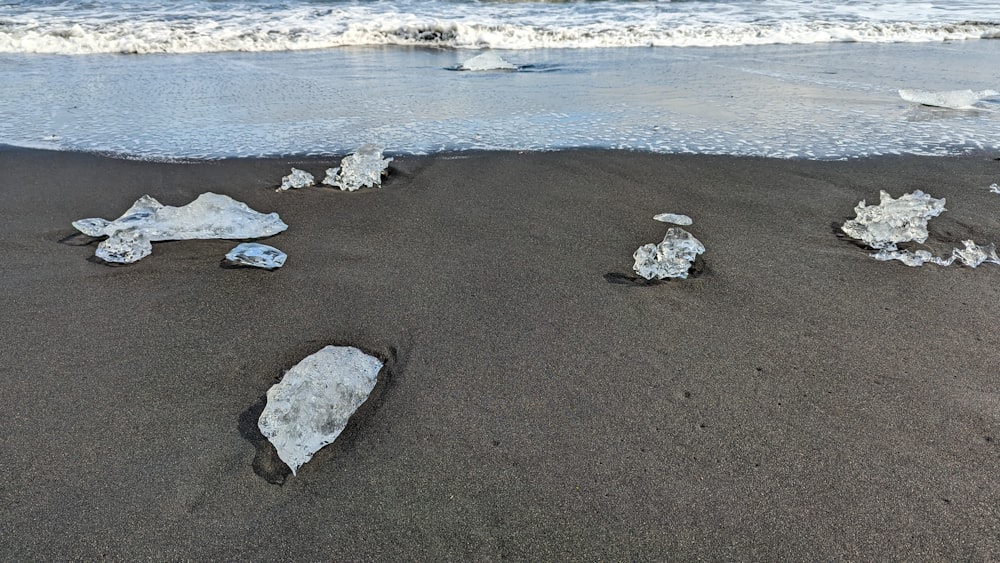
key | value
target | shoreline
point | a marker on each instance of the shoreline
(798, 399)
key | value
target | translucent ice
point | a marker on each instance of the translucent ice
(893, 221)
(953, 99)
(673, 218)
(994, 188)
(297, 179)
(364, 168)
(912, 258)
(312, 403)
(256, 255)
(672, 258)
(209, 216)
(973, 254)
(487, 61)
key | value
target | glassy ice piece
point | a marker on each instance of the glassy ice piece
(297, 179)
(893, 221)
(364, 168)
(973, 254)
(952, 99)
(995, 188)
(487, 61)
(311, 404)
(209, 216)
(256, 255)
(125, 246)
(672, 258)
(912, 258)
(673, 218)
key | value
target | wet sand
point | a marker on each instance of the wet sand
(796, 400)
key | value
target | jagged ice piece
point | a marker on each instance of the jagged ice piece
(312, 403)
(364, 168)
(973, 254)
(256, 255)
(672, 258)
(893, 221)
(674, 218)
(487, 61)
(912, 258)
(994, 188)
(952, 99)
(209, 216)
(297, 179)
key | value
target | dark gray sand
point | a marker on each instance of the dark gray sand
(797, 401)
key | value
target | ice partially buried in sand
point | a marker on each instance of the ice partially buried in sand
(672, 258)
(951, 99)
(364, 168)
(256, 255)
(210, 216)
(312, 403)
(487, 61)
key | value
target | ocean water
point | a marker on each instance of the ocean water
(781, 78)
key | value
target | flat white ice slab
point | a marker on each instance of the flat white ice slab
(952, 99)
(312, 403)
(209, 216)
(487, 61)
(674, 218)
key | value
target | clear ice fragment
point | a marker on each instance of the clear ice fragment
(912, 258)
(312, 403)
(973, 254)
(995, 188)
(487, 61)
(672, 258)
(210, 216)
(893, 221)
(952, 99)
(364, 168)
(674, 218)
(297, 179)
(256, 255)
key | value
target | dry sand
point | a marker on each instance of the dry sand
(796, 401)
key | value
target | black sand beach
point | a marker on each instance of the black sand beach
(796, 401)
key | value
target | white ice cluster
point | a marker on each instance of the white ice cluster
(951, 99)
(210, 216)
(995, 188)
(256, 255)
(312, 403)
(487, 61)
(895, 221)
(671, 258)
(297, 179)
(364, 168)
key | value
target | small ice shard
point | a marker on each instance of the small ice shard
(673, 218)
(893, 221)
(994, 188)
(256, 255)
(297, 179)
(364, 168)
(487, 61)
(912, 258)
(973, 254)
(952, 99)
(312, 403)
(672, 258)
(210, 216)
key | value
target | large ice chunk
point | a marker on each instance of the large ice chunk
(364, 168)
(952, 99)
(210, 216)
(256, 255)
(487, 61)
(893, 221)
(674, 218)
(672, 258)
(297, 179)
(312, 403)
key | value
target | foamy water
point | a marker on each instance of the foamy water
(33, 26)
